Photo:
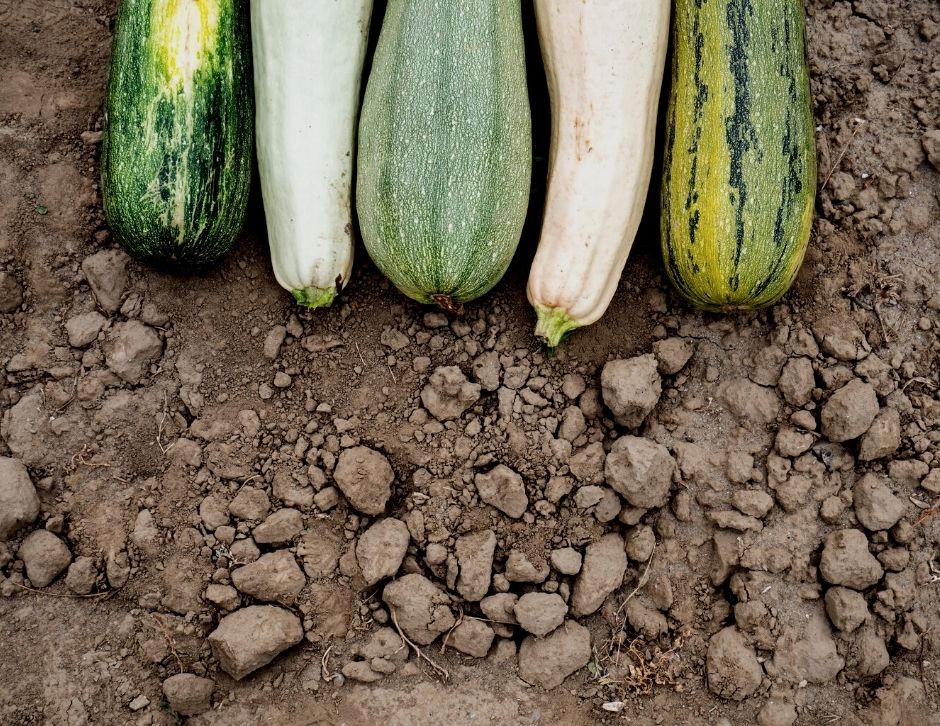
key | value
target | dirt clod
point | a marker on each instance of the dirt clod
(11, 294)
(19, 504)
(81, 576)
(222, 596)
(876, 506)
(846, 608)
(274, 577)
(849, 412)
(931, 482)
(732, 666)
(360, 671)
(749, 401)
(252, 637)
(504, 489)
(631, 389)
(776, 713)
(448, 393)
(45, 557)
(587, 465)
(546, 662)
(475, 560)
(931, 143)
(605, 563)
(365, 478)
(846, 560)
(279, 528)
(869, 655)
(473, 637)
(883, 437)
(381, 549)
(250, 504)
(646, 621)
(808, 653)
(83, 329)
(521, 568)
(672, 354)
(188, 694)
(640, 470)
(130, 349)
(540, 613)
(566, 560)
(420, 607)
(106, 273)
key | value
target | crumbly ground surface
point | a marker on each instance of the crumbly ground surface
(681, 518)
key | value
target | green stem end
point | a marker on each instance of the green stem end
(314, 297)
(554, 325)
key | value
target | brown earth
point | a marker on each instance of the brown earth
(784, 568)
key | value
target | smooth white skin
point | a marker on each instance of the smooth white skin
(604, 60)
(308, 57)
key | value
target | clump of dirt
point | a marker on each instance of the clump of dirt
(215, 506)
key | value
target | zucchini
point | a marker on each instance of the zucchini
(739, 174)
(177, 154)
(445, 150)
(307, 64)
(604, 62)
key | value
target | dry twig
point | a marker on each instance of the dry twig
(443, 671)
(70, 398)
(641, 582)
(923, 381)
(859, 122)
(325, 671)
(166, 412)
(70, 595)
(170, 641)
(928, 513)
(447, 637)
(79, 460)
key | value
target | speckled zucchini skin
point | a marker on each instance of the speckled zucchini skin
(739, 177)
(445, 147)
(176, 161)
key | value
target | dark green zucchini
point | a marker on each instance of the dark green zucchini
(177, 154)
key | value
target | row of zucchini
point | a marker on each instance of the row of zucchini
(444, 151)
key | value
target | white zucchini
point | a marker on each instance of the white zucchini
(308, 57)
(604, 62)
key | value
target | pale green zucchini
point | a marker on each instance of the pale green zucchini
(445, 147)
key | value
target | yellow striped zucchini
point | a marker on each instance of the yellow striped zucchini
(739, 176)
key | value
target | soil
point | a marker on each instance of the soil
(756, 544)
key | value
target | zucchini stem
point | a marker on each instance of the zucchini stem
(314, 297)
(448, 303)
(554, 325)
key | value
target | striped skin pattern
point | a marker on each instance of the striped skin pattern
(739, 176)
(445, 147)
(176, 161)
